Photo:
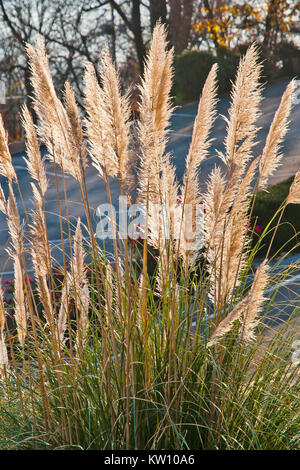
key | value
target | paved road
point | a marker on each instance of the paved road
(182, 125)
(181, 130)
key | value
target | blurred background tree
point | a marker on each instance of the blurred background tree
(227, 24)
(226, 28)
(201, 32)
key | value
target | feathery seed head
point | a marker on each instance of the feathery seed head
(6, 166)
(294, 192)
(271, 156)
(244, 111)
(34, 161)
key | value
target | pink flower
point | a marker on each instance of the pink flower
(257, 229)
(7, 282)
(138, 239)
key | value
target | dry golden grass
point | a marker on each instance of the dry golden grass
(146, 345)
(225, 241)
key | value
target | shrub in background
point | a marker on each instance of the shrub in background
(228, 62)
(192, 68)
(289, 54)
(266, 205)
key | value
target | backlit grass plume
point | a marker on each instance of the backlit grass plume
(108, 125)
(6, 166)
(271, 156)
(294, 192)
(34, 161)
(57, 128)
(155, 111)
(244, 111)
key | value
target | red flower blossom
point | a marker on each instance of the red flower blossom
(134, 240)
(86, 268)
(201, 203)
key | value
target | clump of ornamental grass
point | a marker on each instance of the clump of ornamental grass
(169, 340)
